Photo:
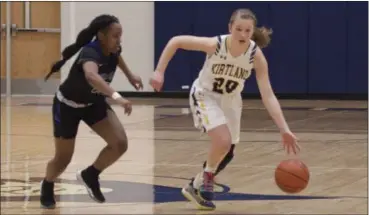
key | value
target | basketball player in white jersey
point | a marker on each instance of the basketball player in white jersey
(215, 97)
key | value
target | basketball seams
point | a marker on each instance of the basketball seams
(306, 170)
(279, 179)
(297, 176)
(282, 180)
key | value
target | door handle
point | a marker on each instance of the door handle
(3, 29)
(14, 30)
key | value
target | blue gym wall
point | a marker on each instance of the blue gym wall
(317, 47)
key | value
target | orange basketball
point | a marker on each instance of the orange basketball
(292, 176)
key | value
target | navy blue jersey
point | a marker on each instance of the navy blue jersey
(76, 87)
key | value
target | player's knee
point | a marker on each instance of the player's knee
(62, 161)
(121, 146)
(221, 138)
(224, 143)
(63, 153)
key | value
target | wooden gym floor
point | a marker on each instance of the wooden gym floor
(165, 151)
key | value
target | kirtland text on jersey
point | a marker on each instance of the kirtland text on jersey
(230, 70)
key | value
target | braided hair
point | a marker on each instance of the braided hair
(84, 37)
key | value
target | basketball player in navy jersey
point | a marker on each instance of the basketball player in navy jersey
(215, 97)
(82, 97)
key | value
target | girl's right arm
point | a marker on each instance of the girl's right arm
(89, 60)
(186, 42)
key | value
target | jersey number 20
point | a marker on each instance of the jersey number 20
(220, 85)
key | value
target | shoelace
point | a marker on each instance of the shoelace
(208, 181)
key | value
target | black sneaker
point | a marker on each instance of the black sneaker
(92, 185)
(47, 198)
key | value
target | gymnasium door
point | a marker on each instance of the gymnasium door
(30, 47)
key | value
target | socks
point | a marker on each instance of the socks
(91, 170)
(210, 169)
(199, 177)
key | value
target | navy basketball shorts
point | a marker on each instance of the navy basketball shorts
(66, 119)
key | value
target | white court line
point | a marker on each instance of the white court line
(273, 130)
(197, 165)
(306, 119)
(269, 128)
(270, 131)
(243, 166)
(28, 95)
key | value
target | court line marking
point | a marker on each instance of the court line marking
(273, 126)
(5, 163)
(259, 129)
(290, 122)
(240, 165)
(330, 141)
(190, 129)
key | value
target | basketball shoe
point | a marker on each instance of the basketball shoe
(202, 194)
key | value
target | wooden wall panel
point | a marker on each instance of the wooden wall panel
(17, 17)
(32, 52)
(40, 10)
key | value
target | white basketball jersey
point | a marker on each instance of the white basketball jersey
(224, 74)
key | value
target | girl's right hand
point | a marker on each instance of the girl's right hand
(157, 81)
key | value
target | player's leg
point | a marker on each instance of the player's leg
(233, 113)
(232, 109)
(102, 119)
(208, 116)
(65, 122)
(189, 191)
(226, 160)
(220, 144)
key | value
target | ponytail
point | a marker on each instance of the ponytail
(261, 36)
(83, 38)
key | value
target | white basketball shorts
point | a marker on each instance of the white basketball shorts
(210, 110)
